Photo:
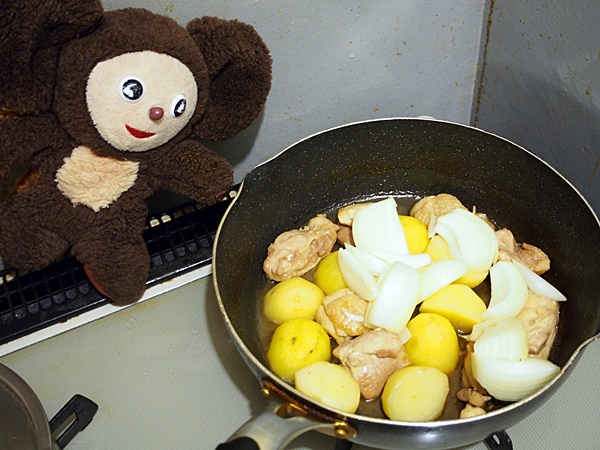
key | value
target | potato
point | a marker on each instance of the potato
(328, 275)
(416, 233)
(293, 298)
(330, 384)
(433, 342)
(295, 344)
(458, 303)
(415, 394)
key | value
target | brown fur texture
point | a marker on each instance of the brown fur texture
(48, 51)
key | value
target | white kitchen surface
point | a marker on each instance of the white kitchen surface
(166, 376)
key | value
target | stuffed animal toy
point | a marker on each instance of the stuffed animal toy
(106, 108)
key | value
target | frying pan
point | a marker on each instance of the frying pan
(402, 158)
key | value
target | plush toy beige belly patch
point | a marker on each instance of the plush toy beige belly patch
(94, 181)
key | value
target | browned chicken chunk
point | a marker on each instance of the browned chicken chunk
(295, 252)
(473, 397)
(342, 315)
(346, 214)
(435, 206)
(344, 236)
(372, 358)
(468, 381)
(528, 255)
(472, 411)
(540, 316)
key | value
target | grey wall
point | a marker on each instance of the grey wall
(541, 84)
(343, 61)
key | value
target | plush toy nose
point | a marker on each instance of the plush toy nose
(156, 113)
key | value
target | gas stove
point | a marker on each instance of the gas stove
(164, 372)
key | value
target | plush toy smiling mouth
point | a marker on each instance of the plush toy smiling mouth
(138, 133)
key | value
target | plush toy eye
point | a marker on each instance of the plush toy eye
(178, 105)
(131, 88)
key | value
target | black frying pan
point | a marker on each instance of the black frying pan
(402, 157)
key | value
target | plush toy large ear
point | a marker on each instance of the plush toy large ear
(239, 67)
(30, 36)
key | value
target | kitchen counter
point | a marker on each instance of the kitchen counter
(166, 376)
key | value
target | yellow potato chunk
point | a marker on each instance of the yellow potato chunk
(438, 250)
(330, 384)
(458, 303)
(416, 233)
(328, 275)
(295, 344)
(433, 342)
(292, 299)
(415, 394)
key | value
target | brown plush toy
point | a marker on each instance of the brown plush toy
(105, 107)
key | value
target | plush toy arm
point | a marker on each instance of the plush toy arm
(193, 170)
(30, 35)
(239, 66)
(23, 137)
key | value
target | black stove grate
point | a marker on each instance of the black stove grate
(179, 240)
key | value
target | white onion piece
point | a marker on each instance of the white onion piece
(375, 265)
(405, 335)
(509, 291)
(512, 380)
(504, 339)
(376, 227)
(399, 288)
(539, 285)
(469, 238)
(357, 276)
(480, 327)
(440, 274)
(416, 260)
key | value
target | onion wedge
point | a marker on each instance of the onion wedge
(509, 291)
(376, 227)
(512, 380)
(357, 275)
(440, 274)
(413, 260)
(539, 285)
(505, 338)
(399, 288)
(469, 238)
(375, 264)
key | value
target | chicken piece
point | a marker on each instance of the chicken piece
(435, 206)
(486, 219)
(471, 411)
(342, 315)
(526, 254)
(473, 397)
(346, 214)
(295, 252)
(344, 236)
(372, 358)
(540, 316)
(468, 381)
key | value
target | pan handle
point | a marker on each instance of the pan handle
(277, 425)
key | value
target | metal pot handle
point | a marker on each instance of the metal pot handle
(71, 419)
(279, 423)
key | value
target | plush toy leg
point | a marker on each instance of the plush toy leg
(118, 269)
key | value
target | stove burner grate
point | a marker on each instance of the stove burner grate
(179, 240)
